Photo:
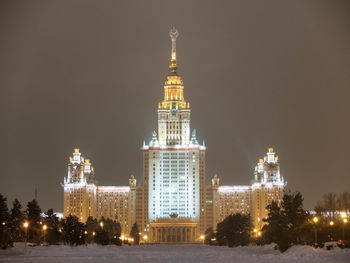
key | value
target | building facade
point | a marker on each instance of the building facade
(174, 162)
(173, 203)
(267, 186)
(84, 198)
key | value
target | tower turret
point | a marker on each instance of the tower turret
(173, 111)
(132, 181)
(215, 181)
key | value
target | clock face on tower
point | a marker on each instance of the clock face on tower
(173, 112)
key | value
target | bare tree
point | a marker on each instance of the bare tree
(343, 201)
(328, 204)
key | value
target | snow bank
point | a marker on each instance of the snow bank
(170, 253)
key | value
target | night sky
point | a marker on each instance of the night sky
(90, 74)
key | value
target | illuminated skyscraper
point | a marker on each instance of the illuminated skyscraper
(79, 188)
(174, 162)
(268, 186)
(173, 204)
(84, 198)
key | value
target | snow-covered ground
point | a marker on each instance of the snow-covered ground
(170, 253)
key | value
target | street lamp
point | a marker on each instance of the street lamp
(315, 219)
(331, 223)
(145, 237)
(101, 224)
(202, 237)
(44, 229)
(26, 225)
(345, 220)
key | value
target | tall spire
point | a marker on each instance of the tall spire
(173, 33)
(173, 88)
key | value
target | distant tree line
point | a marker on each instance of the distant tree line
(333, 203)
(288, 224)
(47, 228)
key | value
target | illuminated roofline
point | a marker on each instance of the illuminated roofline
(233, 188)
(269, 184)
(78, 185)
(175, 147)
(113, 188)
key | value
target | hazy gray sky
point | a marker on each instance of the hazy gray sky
(90, 74)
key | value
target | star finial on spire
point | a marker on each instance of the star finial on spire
(173, 33)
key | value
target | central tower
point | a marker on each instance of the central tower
(174, 161)
(173, 111)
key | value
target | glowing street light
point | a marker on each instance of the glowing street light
(145, 237)
(315, 219)
(26, 225)
(202, 237)
(101, 224)
(259, 234)
(345, 220)
(331, 223)
(44, 232)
